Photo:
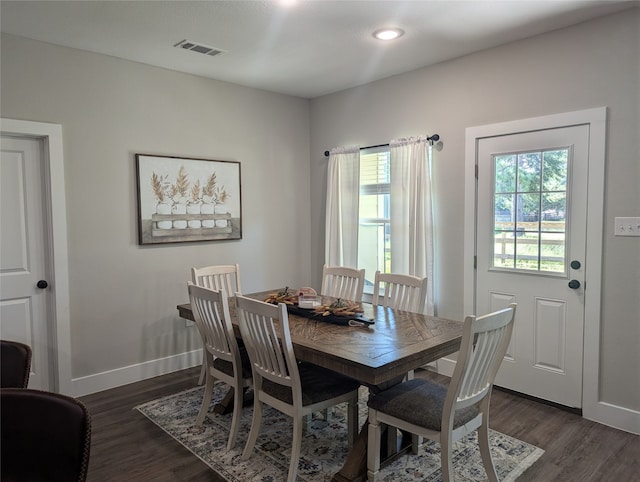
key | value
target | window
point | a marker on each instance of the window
(374, 241)
(530, 207)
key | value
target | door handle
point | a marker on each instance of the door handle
(42, 284)
(574, 284)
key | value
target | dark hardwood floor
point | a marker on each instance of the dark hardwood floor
(128, 447)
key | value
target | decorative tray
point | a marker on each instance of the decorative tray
(307, 304)
(351, 320)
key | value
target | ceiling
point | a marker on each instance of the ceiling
(305, 48)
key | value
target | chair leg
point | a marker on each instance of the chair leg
(203, 369)
(206, 399)
(238, 399)
(296, 445)
(373, 447)
(485, 451)
(256, 421)
(446, 459)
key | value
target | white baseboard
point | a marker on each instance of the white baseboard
(135, 373)
(605, 413)
(614, 416)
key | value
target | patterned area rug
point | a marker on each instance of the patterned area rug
(324, 446)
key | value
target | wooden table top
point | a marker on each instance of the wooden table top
(398, 342)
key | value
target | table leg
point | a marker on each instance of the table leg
(225, 405)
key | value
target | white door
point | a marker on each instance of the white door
(531, 243)
(23, 305)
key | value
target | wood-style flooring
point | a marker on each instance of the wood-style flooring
(128, 447)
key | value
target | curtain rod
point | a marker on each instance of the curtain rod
(431, 139)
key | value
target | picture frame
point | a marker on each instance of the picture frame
(182, 199)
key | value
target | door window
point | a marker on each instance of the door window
(530, 211)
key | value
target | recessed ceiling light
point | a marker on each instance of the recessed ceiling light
(388, 33)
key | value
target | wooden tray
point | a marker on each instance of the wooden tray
(335, 319)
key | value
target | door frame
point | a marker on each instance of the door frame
(596, 118)
(57, 259)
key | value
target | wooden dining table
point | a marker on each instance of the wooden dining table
(378, 355)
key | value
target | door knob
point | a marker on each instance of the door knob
(574, 284)
(42, 284)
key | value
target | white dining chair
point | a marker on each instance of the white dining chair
(443, 414)
(224, 277)
(295, 389)
(342, 282)
(224, 359)
(400, 291)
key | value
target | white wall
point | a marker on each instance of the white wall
(590, 65)
(123, 296)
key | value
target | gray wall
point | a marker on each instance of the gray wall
(594, 64)
(123, 296)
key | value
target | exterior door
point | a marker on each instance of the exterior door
(531, 217)
(23, 305)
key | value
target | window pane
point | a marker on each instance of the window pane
(505, 173)
(503, 212)
(552, 256)
(503, 249)
(374, 243)
(374, 206)
(527, 251)
(555, 170)
(554, 209)
(529, 172)
(528, 206)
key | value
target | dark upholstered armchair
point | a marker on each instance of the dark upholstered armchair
(45, 436)
(15, 363)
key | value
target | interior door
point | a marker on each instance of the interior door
(23, 305)
(531, 216)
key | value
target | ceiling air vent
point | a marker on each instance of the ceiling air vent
(199, 48)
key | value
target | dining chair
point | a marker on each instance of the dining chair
(295, 389)
(45, 436)
(400, 291)
(443, 414)
(342, 282)
(217, 277)
(224, 359)
(15, 364)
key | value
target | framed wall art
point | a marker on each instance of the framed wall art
(183, 199)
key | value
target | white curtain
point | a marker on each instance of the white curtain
(411, 211)
(343, 194)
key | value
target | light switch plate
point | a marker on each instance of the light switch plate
(626, 226)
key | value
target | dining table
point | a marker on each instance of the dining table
(378, 349)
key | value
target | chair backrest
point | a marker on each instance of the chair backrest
(15, 364)
(342, 282)
(265, 332)
(211, 313)
(400, 291)
(45, 436)
(484, 344)
(222, 277)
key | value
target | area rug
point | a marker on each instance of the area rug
(324, 448)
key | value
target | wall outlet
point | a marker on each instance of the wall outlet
(626, 227)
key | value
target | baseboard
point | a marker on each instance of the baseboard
(135, 373)
(608, 414)
(614, 416)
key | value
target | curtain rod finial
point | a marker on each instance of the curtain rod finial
(326, 153)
